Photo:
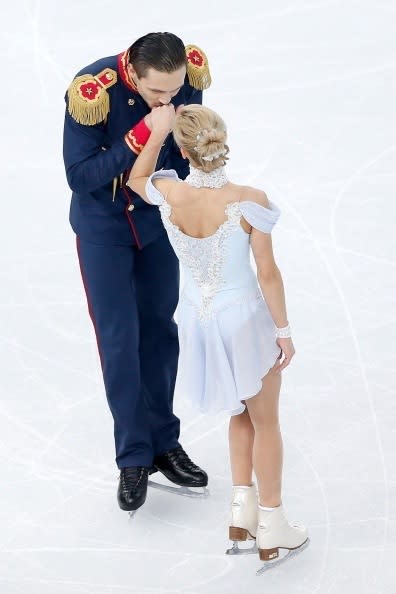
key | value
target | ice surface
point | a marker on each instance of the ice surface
(308, 91)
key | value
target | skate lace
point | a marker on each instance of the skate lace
(180, 457)
(131, 477)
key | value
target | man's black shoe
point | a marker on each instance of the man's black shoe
(132, 487)
(178, 468)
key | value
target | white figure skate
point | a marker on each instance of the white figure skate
(244, 519)
(273, 533)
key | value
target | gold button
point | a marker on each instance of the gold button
(131, 207)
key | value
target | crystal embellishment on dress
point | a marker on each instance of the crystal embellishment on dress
(201, 179)
(204, 257)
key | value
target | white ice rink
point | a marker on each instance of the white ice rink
(308, 90)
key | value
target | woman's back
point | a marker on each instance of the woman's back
(210, 236)
(199, 212)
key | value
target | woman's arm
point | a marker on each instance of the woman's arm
(269, 276)
(271, 284)
(161, 123)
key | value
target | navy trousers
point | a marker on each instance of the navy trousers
(132, 296)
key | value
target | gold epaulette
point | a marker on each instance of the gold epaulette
(197, 68)
(88, 99)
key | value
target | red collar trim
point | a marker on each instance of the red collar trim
(122, 69)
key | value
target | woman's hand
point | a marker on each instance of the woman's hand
(288, 351)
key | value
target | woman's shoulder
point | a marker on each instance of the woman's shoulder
(164, 174)
(256, 208)
(159, 184)
(250, 194)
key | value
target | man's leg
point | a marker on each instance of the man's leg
(157, 293)
(108, 273)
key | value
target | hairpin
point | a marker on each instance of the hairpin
(214, 156)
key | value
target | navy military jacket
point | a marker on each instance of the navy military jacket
(98, 160)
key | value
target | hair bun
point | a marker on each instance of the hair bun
(210, 144)
(202, 133)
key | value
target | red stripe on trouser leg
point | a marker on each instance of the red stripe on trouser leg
(89, 302)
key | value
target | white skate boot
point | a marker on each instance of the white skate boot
(274, 532)
(244, 518)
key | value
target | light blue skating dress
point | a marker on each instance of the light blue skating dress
(226, 333)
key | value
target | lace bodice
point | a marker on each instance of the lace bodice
(203, 257)
(219, 262)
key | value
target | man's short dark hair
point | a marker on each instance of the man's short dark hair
(164, 52)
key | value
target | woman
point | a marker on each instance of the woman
(233, 343)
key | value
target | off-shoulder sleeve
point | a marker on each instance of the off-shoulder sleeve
(260, 217)
(152, 193)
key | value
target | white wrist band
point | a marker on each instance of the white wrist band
(283, 332)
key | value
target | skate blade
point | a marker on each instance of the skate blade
(290, 553)
(131, 514)
(235, 550)
(194, 492)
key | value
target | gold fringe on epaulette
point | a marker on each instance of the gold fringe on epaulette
(115, 180)
(87, 111)
(197, 68)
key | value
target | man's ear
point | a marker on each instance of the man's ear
(132, 72)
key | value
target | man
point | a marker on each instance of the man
(129, 270)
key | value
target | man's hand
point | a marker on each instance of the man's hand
(160, 120)
(147, 118)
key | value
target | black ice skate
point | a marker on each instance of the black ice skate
(132, 488)
(178, 468)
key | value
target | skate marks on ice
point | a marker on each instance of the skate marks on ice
(290, 553)
(193, 492)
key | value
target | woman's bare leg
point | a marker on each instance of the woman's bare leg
(267, 447)
(241, 437)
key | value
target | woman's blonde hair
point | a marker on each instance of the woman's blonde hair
(203, 134)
